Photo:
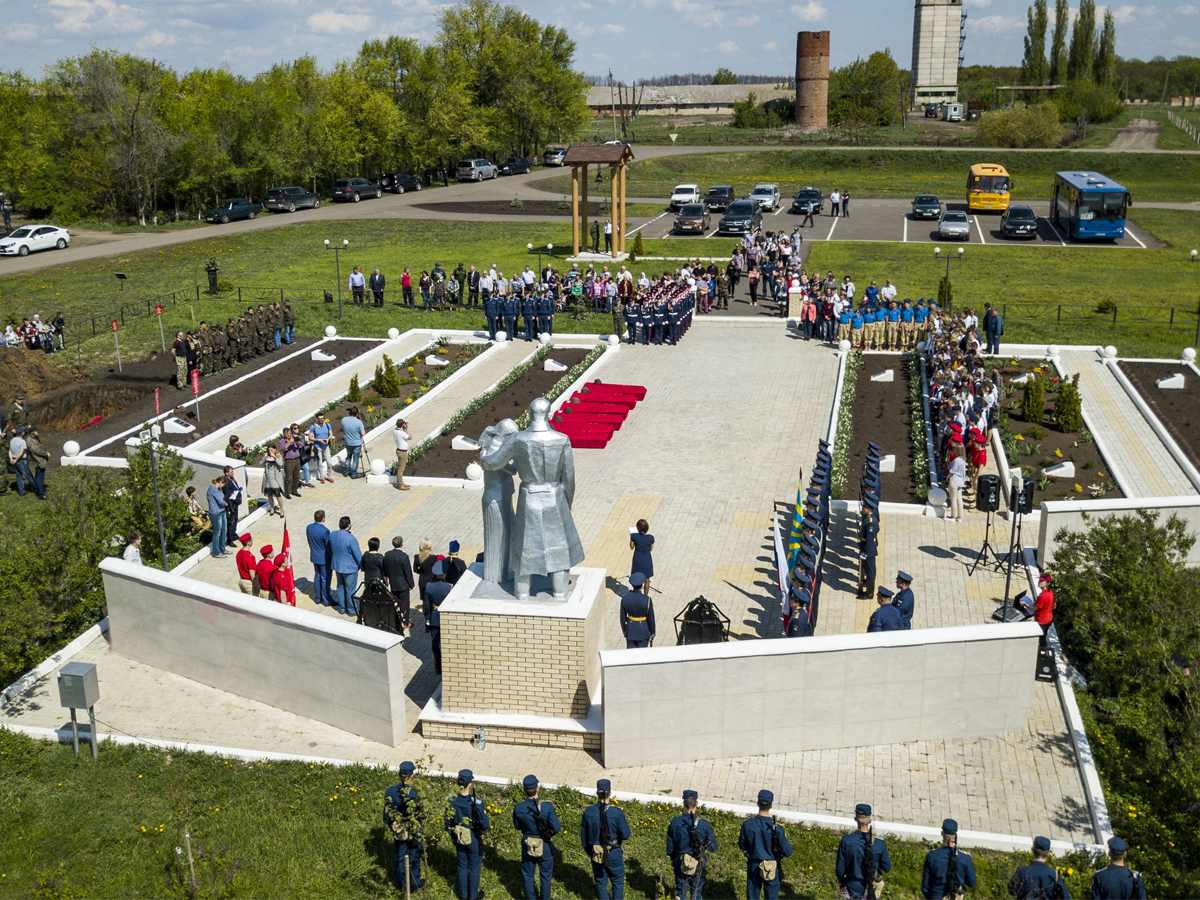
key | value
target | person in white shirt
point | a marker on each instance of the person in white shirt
(955, 482)
(848, 287)
(133, 552)
(528, 277)
(889, 292)
(835, 202)
(401, 436)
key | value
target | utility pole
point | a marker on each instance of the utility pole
(612, 98)
(1166, 81)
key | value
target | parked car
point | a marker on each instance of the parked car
(684, 194)
(766, 196)
(290, 199)
(31, 238)
(554, 156)
(926, 206)
(955, 225)
(742, 216)
(399, 182)
(719, 197)
(354, 189)
(802, 198)
(1019, 221)
(475, 170)
(230, 210)
(692, 219)
(516, 165)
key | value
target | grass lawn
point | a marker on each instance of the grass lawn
(1033, 281)
(903, 173)
(111, 828)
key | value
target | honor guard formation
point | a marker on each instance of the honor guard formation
(210, 350)
(661, 313)
(806, 547)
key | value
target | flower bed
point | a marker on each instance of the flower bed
(845, 427)
(1178, 410)
(881, 412)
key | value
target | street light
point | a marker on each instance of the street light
(1194, 255)
(548, 250)
(937, 255)
(148, 438)
(337, 261)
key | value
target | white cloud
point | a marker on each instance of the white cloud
(611, 28)
(1187, 10)
(157, 38)
(702, 15)
(26, 31)
(330, 22)
(600, 57)
(997, 24)
(729, 47)
(584, 30)
(81, 16)
(747, 22)
(1123, 15)
(979, 4)
(770, 46)
(812, 11)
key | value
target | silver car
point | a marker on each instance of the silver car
(767, 196)
(475, 170)
(954, 225)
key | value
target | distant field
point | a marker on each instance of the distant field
(902, 173)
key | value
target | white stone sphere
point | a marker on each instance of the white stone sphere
(71, 448)
(1189, 354)
(501, 335)
(1110, 352)
(435, 335)
(844, 346)
(937, 497)
(1052, 351)
(393, 333)
(613, 340)
(474, 472)
(378, 466)
(543, 338)
(330, 331)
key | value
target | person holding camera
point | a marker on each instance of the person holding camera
(401, 436)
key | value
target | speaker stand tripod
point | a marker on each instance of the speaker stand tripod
(986, 548)
(1002, 561)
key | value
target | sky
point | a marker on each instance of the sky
(635, 38)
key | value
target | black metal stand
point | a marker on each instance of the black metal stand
(986, 548)
(1010, 559)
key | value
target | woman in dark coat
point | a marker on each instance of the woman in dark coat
(642, 543)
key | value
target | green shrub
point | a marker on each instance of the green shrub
(1032, 126)
(1033, 403)
(387, 380)
(945, 294)
(1070, 406)
(638, 248)
(355, 392)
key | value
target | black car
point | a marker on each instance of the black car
(926, 206)
(1019, 221)
(516, 165)
(399, 182)
(804, 196)
(290, 199)
(741, 217)
(354, 189)
(719, 197)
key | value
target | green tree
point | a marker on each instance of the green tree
(1082, 54)
(1033, 66)
(1058, 42)
(865, 91)
(141, 515)
(1032, 126)
(1033, 401)
(1106, 52)
(724, 76)
(354, 394)
(23, 150)
(1069, 409)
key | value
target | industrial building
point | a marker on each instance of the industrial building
(938, 27)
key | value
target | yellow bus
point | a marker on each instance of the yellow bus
(988, 187)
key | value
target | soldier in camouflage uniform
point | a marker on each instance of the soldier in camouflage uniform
(231, 351)
(218, 349)
(203, 350)
(245, 333)
(289, 322)
(723, 290)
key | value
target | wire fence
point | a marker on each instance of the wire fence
(147, 307)
(1187, 127)
(1103, 313)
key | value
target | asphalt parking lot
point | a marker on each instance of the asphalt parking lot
(891, 220)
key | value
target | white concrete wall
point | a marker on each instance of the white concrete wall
(334, 671)
(1058, 514)
(745, 698)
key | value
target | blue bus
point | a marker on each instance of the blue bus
(1087, 205)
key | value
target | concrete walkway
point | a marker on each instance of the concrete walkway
(1131, 446)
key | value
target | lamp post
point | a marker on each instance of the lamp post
(148, 438)
(548, 250)
(337, 262)
(937, 255)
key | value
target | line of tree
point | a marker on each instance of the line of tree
(721, 76)
(111, 134)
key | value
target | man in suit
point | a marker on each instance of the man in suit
(398, 569)
(233, 498)
(318, 555)
(345, 558)
(376, 285)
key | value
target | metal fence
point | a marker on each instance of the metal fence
(1186, 127)
(1105, 313)
(139, 308)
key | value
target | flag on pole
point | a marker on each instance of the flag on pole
(797, 534)
(286, 574)
(782, 571)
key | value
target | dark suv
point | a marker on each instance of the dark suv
(804, 196)
(354, 189)
(398, 182)
(516, 165)
(1019, 221)
(290, 199)
(719, 197)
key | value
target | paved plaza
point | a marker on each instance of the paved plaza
(729, 416)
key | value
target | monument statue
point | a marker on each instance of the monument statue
(544, 539)
(498, 493)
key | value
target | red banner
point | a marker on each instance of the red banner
(286, 574)
(195, 382)
(157, 403)
(158, 309)
(114, 326)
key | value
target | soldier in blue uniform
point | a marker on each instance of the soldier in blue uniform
(673, 317)
(647, 317)
(401, 815)
(689, 841)
(631, 321)
(466, 823)
(906, 326)
(637, 614)
(489, 310)
(512, 309)
(537, 822)
(602, 831)
(936, 875)
(765, 845)
(1038, 881)
(798, 624)
(904, 600)
(545, 312)
(887, 617)
(851, 868)
(660, 321)
(529, 313)
(1117, 881)
(857, 321)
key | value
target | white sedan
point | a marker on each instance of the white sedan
(30, 238)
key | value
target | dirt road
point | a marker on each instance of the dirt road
(1140, 135)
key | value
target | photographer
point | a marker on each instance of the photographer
(401, 436)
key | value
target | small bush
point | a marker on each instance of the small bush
(1106, 306)
(638, 248)
(355, 392)
(1033, 126)
(387, 381)
(1033, 403)
(224, 286)
(1070, 406)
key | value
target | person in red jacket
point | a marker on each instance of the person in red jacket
(265, 569)
(1042, 609)
(281, 585)
(246, 566)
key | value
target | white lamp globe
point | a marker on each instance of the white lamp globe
(393, 333)
(330, 331)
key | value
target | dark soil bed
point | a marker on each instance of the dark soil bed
(440, 461)
(881, 414)
(505, 208)
(124, 400)
(1041, 443)
(1178, 410)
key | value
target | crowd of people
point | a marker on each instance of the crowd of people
(25, 455)
(209, 350)
(35, 334)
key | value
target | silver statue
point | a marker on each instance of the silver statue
(544, 539)
(498, 493)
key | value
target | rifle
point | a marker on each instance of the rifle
(543, 827)
(776, 849)
(869, 866)
(952, 886)
(476, 819)
(699, 849)
(605, 833)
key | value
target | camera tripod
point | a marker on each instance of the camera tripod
(987, 548)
